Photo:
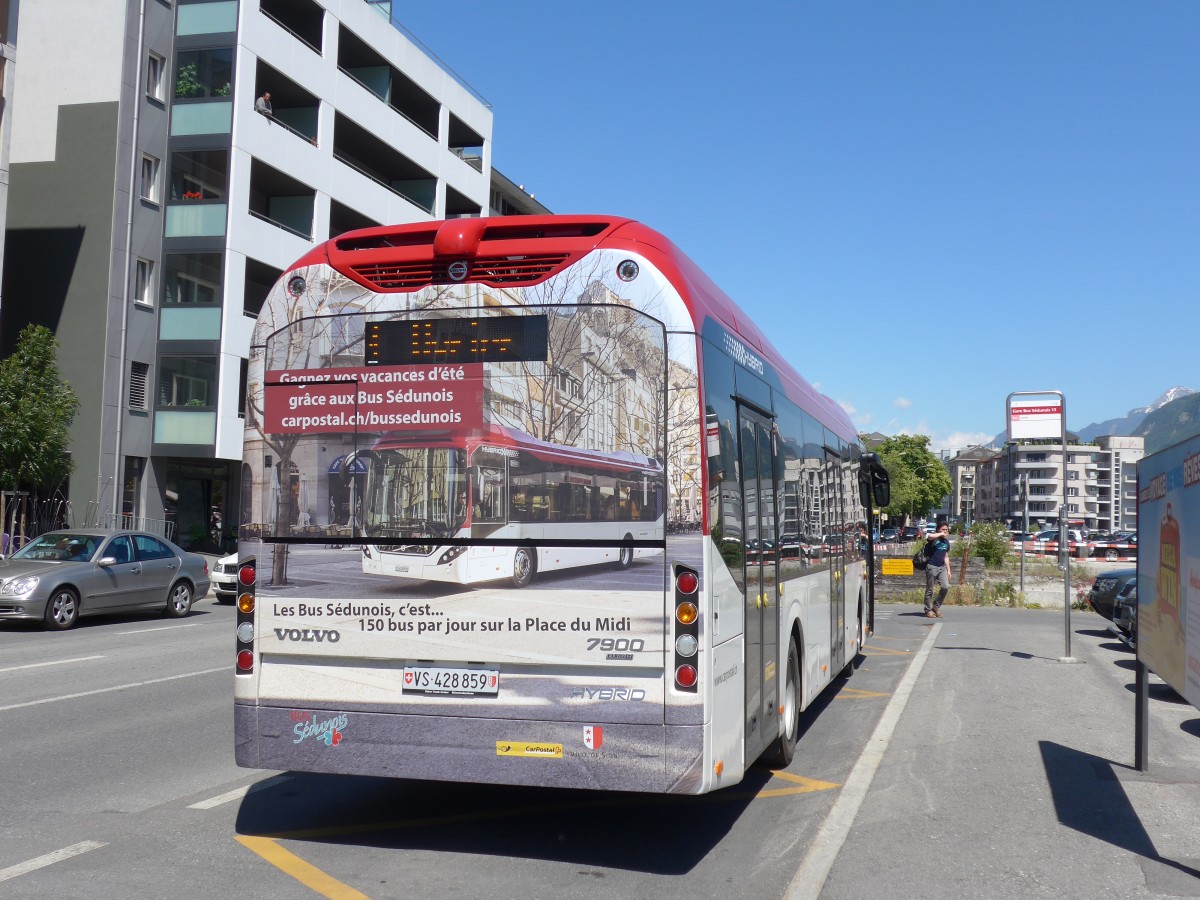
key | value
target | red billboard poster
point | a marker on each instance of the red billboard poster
(375, 398)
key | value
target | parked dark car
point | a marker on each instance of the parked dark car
(62, 575)
(910, 533)
(1121, 545)
(1103, 595)
(890, 535)
(1125, 616)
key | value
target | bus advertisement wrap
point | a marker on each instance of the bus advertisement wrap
(393, 398)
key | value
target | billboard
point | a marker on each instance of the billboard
(1169, 566)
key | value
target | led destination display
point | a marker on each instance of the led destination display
(476, 339)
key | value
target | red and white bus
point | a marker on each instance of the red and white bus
(500, 415)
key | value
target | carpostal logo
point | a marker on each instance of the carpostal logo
(308, 635)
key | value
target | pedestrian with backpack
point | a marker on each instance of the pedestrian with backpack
(937, 570)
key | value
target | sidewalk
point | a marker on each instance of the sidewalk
(1010, 773)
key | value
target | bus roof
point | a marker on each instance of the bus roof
(519, 251)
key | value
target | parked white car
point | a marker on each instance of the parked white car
(224, 578)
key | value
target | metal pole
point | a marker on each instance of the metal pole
(1064, 545)
(1141, 718)
(1025, 499)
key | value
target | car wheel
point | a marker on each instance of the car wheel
(1111, 554)
(779, 754)
(524, 566)
(62, 609)
(179, 603)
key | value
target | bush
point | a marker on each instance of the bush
(988, 540)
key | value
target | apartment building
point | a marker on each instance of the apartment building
(1100, 481)
(152, 206)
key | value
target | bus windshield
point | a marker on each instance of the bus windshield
(416, 492)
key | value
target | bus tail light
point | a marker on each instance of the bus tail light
(687, 629)
(244, 646)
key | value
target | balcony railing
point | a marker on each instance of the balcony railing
(379, 181)
(288, 228)
(307, 138)
(316, 50)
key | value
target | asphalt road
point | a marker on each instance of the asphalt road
(120, 782)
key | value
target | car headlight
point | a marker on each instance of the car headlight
(19, 586)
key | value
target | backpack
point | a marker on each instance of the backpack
(921, 557)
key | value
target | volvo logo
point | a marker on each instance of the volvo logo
(309, 635)
(457, 270)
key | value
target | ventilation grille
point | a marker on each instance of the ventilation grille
(139, 377)
(494, 270)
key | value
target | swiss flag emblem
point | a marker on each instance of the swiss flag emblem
(593, 736)
(408, 677)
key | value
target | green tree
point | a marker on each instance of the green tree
(36, 411)
(919, 480)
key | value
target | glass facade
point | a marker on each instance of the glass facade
(207, 18)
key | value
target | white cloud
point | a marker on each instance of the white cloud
(902, 403)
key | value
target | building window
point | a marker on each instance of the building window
(192, 278)
(131, 490)
(200, 74)
(199, 175)
(187, 382)
(149, 186)
(139, 379)
(143, 282)
(155, 67)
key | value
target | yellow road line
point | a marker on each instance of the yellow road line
(305, 873)
(852, 693)
(871, 650)
(806, 786)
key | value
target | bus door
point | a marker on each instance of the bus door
(839, 554)
(761, 601)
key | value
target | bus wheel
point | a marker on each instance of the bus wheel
(523, 567)
(780, 753)
(625, 556)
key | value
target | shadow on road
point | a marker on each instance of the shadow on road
(1089, 798)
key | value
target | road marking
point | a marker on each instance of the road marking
(49, 859)
(161, 628)
(810, 877)
(109, 690)
(57, 662)
(807, 786)
(237, 794)
(305, 873)
(856, 694)
(872, 650)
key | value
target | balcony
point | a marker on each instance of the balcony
(302, 19)
(466, 143)
(281, 200)
(460, 206)
(260, 278)
(294, 109)
(342, 219)
(357, 148)
(358, 61)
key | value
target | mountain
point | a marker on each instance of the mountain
(1136, 421)
(1171, 423)
(1133, 420)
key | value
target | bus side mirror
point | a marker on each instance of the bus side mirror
(874, 486)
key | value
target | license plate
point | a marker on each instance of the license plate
(431, 680)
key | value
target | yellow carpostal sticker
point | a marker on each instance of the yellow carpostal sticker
(524, 748)
(897, 567)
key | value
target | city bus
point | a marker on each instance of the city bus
(502, 415)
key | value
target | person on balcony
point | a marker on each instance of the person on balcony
(263, 105)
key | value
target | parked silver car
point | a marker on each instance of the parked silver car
(63, 575)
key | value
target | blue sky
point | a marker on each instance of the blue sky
(928, 204)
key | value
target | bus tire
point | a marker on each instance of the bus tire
(524, 565)
(779, 754)
(625, 555)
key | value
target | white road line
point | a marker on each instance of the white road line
(49, 859)
(161, 628)
(109, 690)
(810, 877)
(56, 662)
(238, 793)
